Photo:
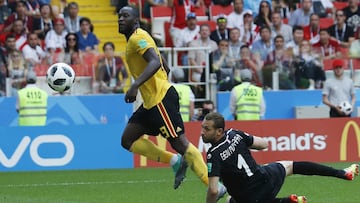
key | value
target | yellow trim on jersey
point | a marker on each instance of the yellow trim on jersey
(154, 89)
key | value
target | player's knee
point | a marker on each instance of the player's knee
(125, 143)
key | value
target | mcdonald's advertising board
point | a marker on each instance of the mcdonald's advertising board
(318, 140)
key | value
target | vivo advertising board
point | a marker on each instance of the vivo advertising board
(70, 147)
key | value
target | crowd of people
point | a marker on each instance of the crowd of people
(35, 34)
(278, 37)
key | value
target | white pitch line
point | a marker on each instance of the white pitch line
(87, 183)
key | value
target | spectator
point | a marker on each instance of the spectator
(20, 13)
(32, 109)
(279, 28)
(221, 32)
(208, 106)
(10, 46)
(301, 15)
(112, 71)
(284, 7)
(352, 13)
(264, 45)
(87, 40)
(223, 65)
(33, 8)
(281, 58)
(248, 61)
(327, 47)
(17, 71)
(246, 99)
(180, 10)
(249, 32)
(32, 51)
(298, 37)
(264, 16)
(354, 50)
(235, 44)
(235, 18)
(198, 57)
(44, 24)
(186, 95)
(308, 73)
(72, 54)
(5, 12)
(72, 21)
(340, 31)
(19, 30)
(312, 31)
(189, 33)
(55, 40)
(337, 90)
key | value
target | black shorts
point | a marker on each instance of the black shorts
(265, 190)
(164, 118)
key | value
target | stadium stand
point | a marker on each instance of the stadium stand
(166, 29)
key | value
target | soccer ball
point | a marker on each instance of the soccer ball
(346, 107)
(60, 77)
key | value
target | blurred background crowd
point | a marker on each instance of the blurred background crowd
(296, 39)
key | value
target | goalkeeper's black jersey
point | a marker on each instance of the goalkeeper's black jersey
(231, 160)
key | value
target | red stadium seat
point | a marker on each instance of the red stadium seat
(159, 15)
(326, 22)
(160, 11)
(340, 5)
(41, 69)
(167, 38)
(215, 10)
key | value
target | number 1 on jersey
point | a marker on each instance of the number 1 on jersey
(242, 164)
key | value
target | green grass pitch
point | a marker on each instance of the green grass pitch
(149, 185)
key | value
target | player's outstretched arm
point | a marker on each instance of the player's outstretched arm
(259, 143)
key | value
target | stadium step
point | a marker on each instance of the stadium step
(104, 20)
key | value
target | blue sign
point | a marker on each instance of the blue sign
(75, 110)
(279, 104)
(62, 148)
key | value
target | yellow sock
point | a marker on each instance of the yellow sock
(148, 149)
(196, 162)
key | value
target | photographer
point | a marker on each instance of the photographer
(207, 107)
(308, 73)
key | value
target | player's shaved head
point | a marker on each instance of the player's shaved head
(130, 9)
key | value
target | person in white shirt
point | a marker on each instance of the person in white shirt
(298, 37)
(72, 22)
(279, 28)
(55, 39)
(198, 57)
(235, 18)
(189, 33)
(32, 52)
(301, 16)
